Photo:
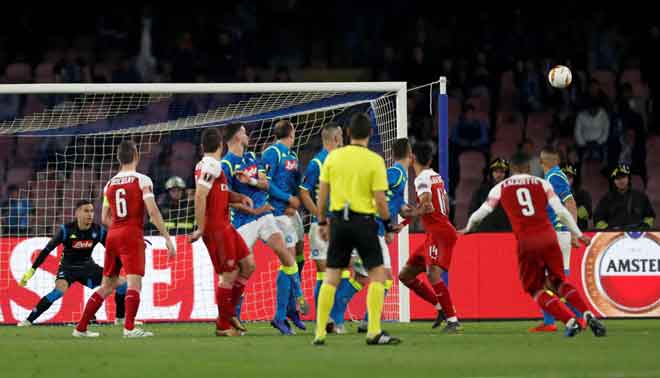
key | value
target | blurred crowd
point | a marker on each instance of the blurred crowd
(495, 59)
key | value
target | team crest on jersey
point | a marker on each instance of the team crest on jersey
(291, 165)
(621, 273)
(94, 235)
(83, 244)
(250, 171)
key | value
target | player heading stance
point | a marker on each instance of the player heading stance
(525, 199)
(126, 196)
(434, 256)
(231, 258)
(245, 177)
(79, 239)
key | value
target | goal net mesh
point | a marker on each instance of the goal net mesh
(59, 149)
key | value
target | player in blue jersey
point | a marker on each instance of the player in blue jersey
(549, 160)
(246, 176)
(281, 164)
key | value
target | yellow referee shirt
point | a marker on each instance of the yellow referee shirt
(354, 173)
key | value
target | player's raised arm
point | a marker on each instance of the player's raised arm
(485, 209)
(56, 240)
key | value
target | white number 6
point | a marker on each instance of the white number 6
(120, 203)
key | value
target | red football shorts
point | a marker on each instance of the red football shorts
(436, 250)
(124, 248)
(540, 258)
(226, 248)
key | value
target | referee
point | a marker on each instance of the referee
(356, 180)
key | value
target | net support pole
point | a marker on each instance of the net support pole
(443, 140)
(403, 242)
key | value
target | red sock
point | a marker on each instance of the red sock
(553, 305)
(132, 302)
(93, 305)
(444, 299)
(423, 290)
(225, 309)
(237, 290)
(572, 296)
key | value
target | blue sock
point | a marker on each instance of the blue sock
(238, 307)
(44, 304)
(121, 290)
(445, 277)
(283, 294)
(345, 291)
(296, 286)
(575, 310)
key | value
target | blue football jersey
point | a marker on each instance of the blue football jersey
(250, 166)
(281, 165)
(310, 181)
(562, 188)
(397, 180)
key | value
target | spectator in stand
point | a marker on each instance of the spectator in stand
(581, 196)
(626, 144)
(623, 208)
(418, 70)
(470, 134)
(388, 68)
(632, 152)
(16, 213)
(497, 221)
(592, 127)
(177, 209)
(282, 75)
(528, 81)
(528, 147)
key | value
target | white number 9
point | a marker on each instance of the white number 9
(525, 200)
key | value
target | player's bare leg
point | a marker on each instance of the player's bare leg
(132, 300)
(61, 286)
(444, 299)
(108, 285)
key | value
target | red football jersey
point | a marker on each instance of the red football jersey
(208, 173)
(430, 182)
(124, 195)
(525, 201)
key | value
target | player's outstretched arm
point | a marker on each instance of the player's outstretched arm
(477, 217)
(565, 216)
(52, 244)
(201, 193)
(157, 220)
(238, 198)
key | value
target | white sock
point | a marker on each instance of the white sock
(453, 319)
(438, 307)
(587, 313)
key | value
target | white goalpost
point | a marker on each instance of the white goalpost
(60, 148)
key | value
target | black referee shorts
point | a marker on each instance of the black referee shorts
(360, 233)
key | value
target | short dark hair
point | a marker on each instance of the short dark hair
(211, 140)
(283, 128)
(126, 151)
(423, 153)
(519, 159)
(550, 149)
(231, 130)
(83, 202)
(400, 148)
(360, 126)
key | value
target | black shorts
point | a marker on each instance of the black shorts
(89, 275)
(360, 233)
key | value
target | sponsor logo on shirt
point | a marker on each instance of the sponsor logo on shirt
(83, 244)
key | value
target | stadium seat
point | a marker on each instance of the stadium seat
(6, 149)
(27, 149)
(631, 76)
(182, 161)
(539, 127)
(33, 105)
(44, 73)
(507, 91)
(18, 73)
(593, 181)
(19, 176)
(472, 165)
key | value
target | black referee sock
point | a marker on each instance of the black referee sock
(120, 296)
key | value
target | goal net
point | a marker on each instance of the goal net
(59, 147)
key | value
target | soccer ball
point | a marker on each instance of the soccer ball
(560, 76)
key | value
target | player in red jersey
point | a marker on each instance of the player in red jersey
(126, 196)
(229, 254)
(525, 200)
(434, 257)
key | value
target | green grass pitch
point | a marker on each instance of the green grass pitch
(485, 349)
